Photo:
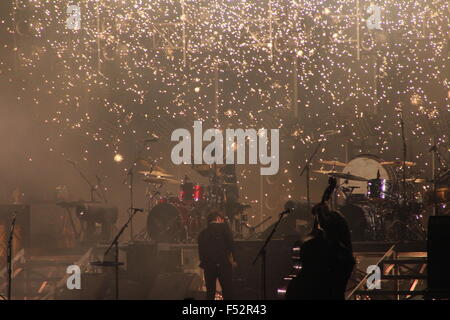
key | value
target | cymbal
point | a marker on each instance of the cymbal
(156, 173)
(144, 162)
(147, 163)
(323, 171)
(347, 176)
(333, 163)
(398, 163)
(156, 179)
(417, 180)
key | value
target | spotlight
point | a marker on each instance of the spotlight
(118, 158)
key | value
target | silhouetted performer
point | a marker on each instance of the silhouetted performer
(327, 259)
(215, 248)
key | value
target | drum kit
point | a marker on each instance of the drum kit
(180, 218)
(385, 200)
(381, 200)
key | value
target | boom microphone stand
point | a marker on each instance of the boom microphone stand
(262, 254)
(93, 188)
(9, 256)
(115, 244)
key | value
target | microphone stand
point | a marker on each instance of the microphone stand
(402, 125)
(306, 168)
(115, 244)
(92, 187)
(131, 175)
(9, 256)
(262, 254)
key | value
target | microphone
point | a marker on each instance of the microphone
(137, 209)
(285, 212)
(154, 138)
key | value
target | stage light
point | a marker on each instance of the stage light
(118, 158)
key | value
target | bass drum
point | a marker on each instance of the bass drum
(368, 166)
(166, 223)
(360, 221)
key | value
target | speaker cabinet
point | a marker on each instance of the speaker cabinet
(438, 247)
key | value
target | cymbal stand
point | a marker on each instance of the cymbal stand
(306, 169)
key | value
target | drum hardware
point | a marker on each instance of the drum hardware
(208, 170)
(346, 176)
(349, 188)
